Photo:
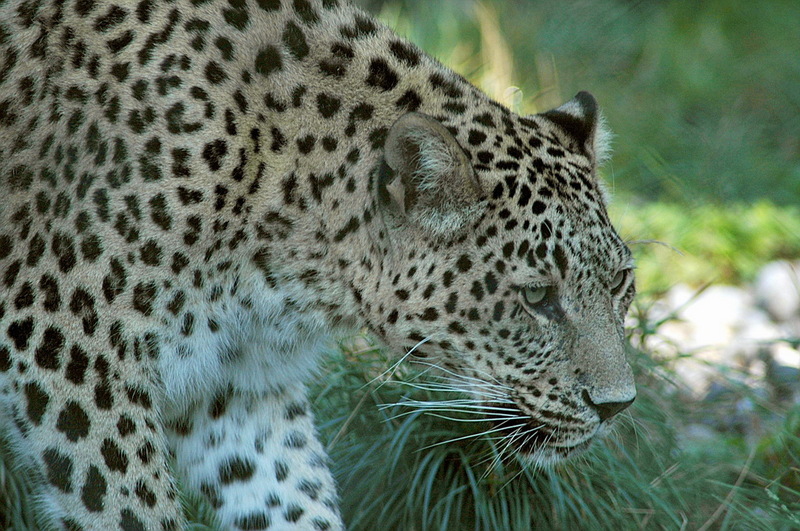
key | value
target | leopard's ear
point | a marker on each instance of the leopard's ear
(580, 118)
(433, 184)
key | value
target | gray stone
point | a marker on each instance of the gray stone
(777, 290)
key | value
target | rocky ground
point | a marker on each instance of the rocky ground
(734, 349)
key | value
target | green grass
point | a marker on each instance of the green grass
(16, 509)
(394, 470)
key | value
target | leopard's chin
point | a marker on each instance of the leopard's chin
(550, 455)
(538, 441)
(541, 452)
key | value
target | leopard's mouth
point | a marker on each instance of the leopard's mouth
(537, 439)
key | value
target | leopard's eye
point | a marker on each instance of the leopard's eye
(533, 296)
(619, 280)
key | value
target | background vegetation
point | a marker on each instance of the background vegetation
(703, 98)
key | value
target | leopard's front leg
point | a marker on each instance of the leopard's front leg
(256, 458)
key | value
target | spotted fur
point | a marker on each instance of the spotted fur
(197, 195)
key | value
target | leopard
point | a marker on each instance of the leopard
(200, 196)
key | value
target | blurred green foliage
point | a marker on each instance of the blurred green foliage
(705, 244)
(703, 96)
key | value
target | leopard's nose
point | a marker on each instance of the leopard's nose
(607, 410)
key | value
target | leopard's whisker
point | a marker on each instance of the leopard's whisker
(489, 380)
(388, 373)
(464, 437)
(447, 387)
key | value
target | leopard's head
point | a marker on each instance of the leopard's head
(505, 272)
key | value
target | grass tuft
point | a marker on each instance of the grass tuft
(394, 470)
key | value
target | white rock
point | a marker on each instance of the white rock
(755, 333)
(783, 354)
(704, 336)
(777, 289)
(716, 313)
(726, 332)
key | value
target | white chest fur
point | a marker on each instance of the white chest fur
(261, 340)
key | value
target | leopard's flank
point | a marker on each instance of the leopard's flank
(195, 196)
